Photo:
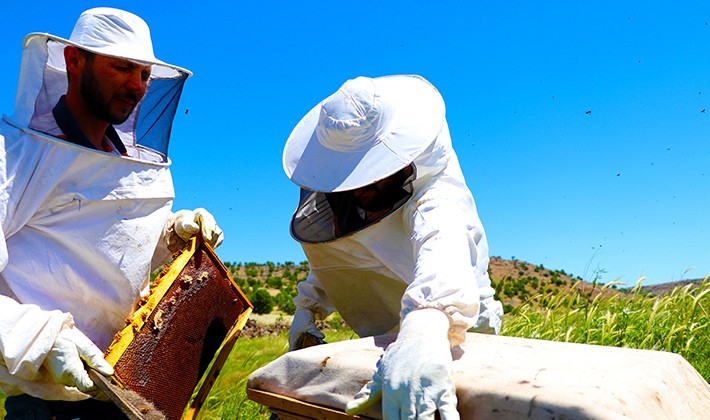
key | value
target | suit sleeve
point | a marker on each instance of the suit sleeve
(450, 254)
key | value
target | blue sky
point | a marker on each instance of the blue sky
(580, 125)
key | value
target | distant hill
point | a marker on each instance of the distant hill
(659, 289)
(518, 281)
(515, 282)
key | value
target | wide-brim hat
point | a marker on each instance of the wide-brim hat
(116, 33)
(366, 131)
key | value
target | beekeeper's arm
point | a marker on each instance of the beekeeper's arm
(413, 378)
(42, 351)
(311, 302)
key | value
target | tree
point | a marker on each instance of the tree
(262, 301)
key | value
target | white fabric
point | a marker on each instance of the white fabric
(367, 130)
(413, 380)
(80, 231)
(432, 252)
(508, 378)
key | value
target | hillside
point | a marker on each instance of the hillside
(659, 289)
(518, 281)
(515, 282)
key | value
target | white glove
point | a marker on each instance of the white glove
(413, 378)
(64, 360)
(303, 322)
(185, 224)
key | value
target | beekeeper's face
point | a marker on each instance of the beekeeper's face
(380, 195)
(112, 87)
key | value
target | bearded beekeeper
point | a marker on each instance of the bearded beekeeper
(86, 203)
(392, 236)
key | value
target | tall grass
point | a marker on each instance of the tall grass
(677, 322)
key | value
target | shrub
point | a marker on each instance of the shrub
(274, 282)
(262, 301)
(284, 300)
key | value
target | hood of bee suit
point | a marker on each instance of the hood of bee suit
(110, 32)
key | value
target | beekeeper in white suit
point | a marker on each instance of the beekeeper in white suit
(392, 236)
(86, 203)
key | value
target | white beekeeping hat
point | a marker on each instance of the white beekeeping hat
(366, 131)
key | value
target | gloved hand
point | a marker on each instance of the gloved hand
(413, 378)
(303, 322)
(64, 360)
(185, 224)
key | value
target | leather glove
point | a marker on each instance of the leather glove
(185, 224)
(303, 322)
(413, 377)
(64, 360)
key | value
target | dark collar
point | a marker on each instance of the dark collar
(70, 128)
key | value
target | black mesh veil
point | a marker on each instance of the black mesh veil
(322, 217)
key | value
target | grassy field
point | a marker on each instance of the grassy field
(677, 322)
(228, 400)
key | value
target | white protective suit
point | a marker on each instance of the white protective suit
(430, 252)
(79, 226)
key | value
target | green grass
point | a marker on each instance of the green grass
(677, 322)
(228, 400)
